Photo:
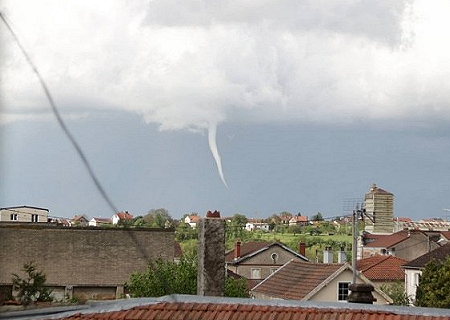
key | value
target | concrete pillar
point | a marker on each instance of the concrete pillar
(211, 255)
(68, 292)
(120, 292)
(342, 256)
(328, 255)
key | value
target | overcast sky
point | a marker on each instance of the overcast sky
(247, 106)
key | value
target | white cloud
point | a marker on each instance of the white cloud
(192, 64)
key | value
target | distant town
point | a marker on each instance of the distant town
(286, 256)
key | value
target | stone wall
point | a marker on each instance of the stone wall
(88, 256)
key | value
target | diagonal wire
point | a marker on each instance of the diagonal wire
(60, 120)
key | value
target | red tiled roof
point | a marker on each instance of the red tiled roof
(296, 279)
(386, 241)
(247, 248)
(124, 216)
(299, 219)
(237, 311)
(378, 267)
(446, 234)
(194, 218)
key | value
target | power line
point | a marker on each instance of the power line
(60, 120)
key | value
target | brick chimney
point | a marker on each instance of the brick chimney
(237, 250)
(302, 248)
(211, 255)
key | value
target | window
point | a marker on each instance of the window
(256, 273)
(34, 218)
(343, 291)
(13, 216)
(274, 257)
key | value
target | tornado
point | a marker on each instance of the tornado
(213, 147)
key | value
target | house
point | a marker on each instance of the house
(405, 244)
(189, 307)
(95, 222)
(320, 282)
(23, 214)
(256, 224)
(192, 220)
(382, 269)
(298, 220)
(413, 269)
(79, 220)
(424, 225)
(121, 217)
(257, 260)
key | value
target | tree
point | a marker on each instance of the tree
(164, 278)
(434, 285)
(317, 217)
(32, 288)
(159, 218)
(239, 220)
(397, 292)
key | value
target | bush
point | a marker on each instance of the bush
(32, 288)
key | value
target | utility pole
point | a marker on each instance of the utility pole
(354, 244)
(356, 214)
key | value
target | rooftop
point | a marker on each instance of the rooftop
(296, 279)
(184, 307)
(439, 254)
(382, 267)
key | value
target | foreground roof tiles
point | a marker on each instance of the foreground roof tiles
(219, 311)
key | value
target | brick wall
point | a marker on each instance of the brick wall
(82, 256)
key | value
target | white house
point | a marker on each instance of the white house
(121, 217)
(23, 214)
(95, 222)
(413, 269)
(192, 220)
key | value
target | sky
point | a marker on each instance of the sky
(247, 106)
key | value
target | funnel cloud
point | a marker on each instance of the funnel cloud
(186, 64)
(212, 141)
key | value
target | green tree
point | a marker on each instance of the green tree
(32, 287)
(397, 292)
(434, 285)
(159, 218)
(317, 217)
(164, 277)
(236, 288)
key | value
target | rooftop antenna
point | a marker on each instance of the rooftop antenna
(446, 213)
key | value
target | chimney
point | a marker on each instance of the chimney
(361, 293)
(342, 256)
(237, 250)
(302, 248)
(211, 255)
(328, 255)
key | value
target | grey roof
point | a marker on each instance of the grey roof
(439, 254)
